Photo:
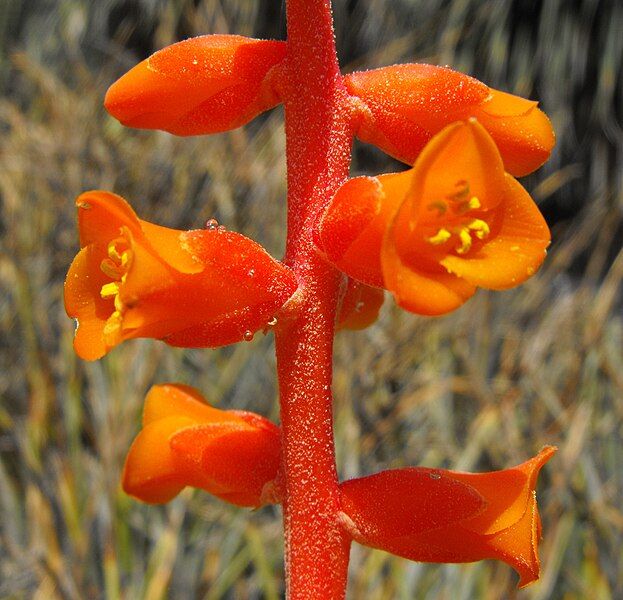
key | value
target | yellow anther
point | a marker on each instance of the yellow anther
(441, 237)
(110, 268)
(473, 203)
(109, 290)
(466, 241)
(480, 228)
(113, 253)
(112, 329)
(119, 306)
(125, 258)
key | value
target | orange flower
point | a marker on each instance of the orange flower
(405, 105)
(231, 454)
(432, 234)
(194, 289)
(201, 85)
(434, 515)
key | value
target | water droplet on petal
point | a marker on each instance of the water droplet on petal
(251, 272)
(248, 335)
(435, 475)
(359, 306)
(272, 322)
(222, 228)
(211, 224)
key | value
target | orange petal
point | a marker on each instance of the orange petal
(462, 152)
(101, 215)
(405, 105)
(405, 503)
(351, 230)
(506, 492)
(514, 252)
(522, 132)
(202, 85)
(84, 303)
(151, 472)
(237, 462)
(174, 399)
(360, 306)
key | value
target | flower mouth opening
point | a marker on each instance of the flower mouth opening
(116, 266)
(454, 222)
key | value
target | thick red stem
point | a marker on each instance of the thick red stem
(319, 137)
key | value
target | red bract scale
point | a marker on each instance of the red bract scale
(432, 234)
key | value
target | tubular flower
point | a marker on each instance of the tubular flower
(135, 279)
(202, 85)
(434, 233)
(231, 454)
(405, 105)
(434, 515)
(359, 307)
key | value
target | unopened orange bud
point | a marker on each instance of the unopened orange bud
(132, 279)
(185, 442)
(435, 515)
(405, 105)
(202, 85)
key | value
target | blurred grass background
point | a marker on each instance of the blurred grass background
(483, 388)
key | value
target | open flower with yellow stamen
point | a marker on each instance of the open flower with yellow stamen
(200, 288)
(433, 234)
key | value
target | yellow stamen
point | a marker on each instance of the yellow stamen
(441, 237)
(473, 203)
(480, 228)
(110, 290)
(112, 329)
(125, 258)
(113, 253)
(110, 268)
(466, 241)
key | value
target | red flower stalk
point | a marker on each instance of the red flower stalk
(435, 515)
(231, 454)
(456, 221)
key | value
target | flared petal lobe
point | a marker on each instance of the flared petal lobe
(404, 106)
(433, 234)
(435, 515)
(186, 442)
(132, 279)
(202, 85)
